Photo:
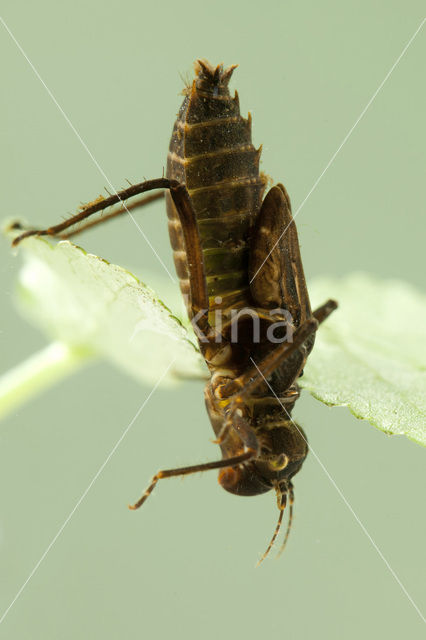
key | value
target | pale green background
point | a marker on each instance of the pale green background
(184, 566)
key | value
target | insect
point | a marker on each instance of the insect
(238, 260)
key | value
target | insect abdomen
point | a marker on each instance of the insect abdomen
(212, 153)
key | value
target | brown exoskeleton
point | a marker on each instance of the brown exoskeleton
(238, 260)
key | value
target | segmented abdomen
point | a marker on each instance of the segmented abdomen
(212, 153)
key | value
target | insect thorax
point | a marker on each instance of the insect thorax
(283, 444)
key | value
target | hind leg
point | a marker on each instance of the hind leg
(184, 208)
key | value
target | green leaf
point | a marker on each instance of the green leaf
(370, 354)
(85, 302)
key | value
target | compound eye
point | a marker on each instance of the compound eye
(279, 463)
(229, 478)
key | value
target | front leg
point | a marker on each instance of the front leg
(250, 450)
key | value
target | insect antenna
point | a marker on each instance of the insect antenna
(290, 521)
(282, 500)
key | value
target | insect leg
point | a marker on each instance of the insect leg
(124, 209)
(182, 201)
(324, 310)
(251, 450)
(195, 261)
(244, 385)
(83, 226)
(99, 204)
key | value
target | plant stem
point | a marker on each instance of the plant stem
(39, 372)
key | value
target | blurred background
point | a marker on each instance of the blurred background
(185, 564)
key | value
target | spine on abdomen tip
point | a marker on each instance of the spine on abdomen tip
(212, 153)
